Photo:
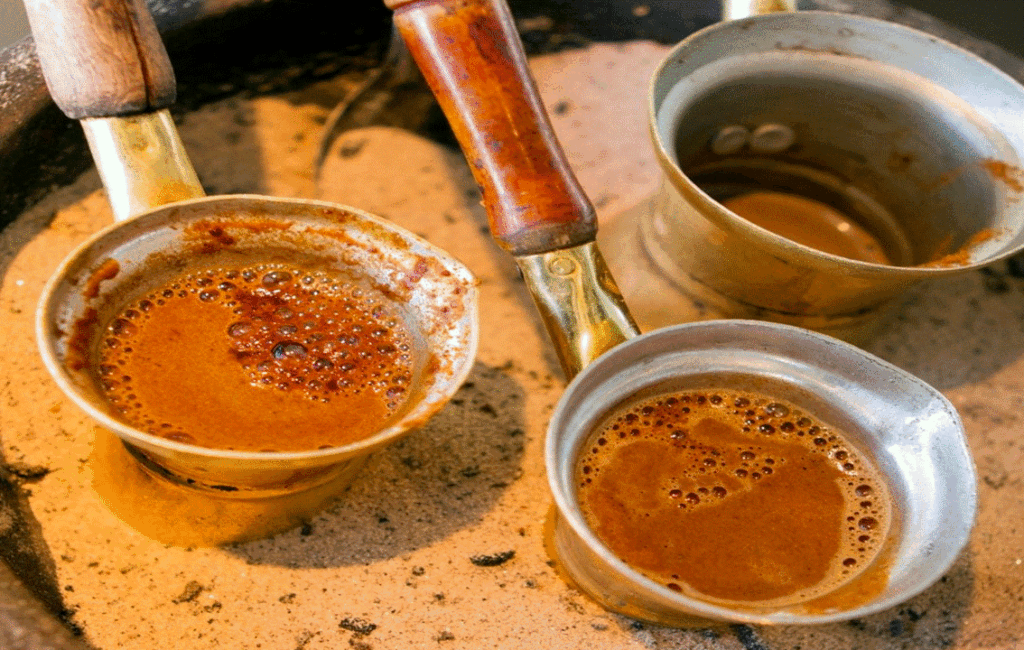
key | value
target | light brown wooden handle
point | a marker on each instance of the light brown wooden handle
(471, 56)
(101, 58)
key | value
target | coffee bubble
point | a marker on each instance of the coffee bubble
(867, 523)
(777, 410)
(275, 278)
(239, 329)
(122, 327)
(288, 349)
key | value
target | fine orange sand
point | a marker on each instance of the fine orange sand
(399, 561)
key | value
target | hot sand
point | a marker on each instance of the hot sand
(440, 540)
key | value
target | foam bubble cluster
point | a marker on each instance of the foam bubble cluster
(318, 335)
(702, 449)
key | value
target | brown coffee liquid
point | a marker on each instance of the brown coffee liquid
(263, 358)
(809, 222)
(732, 497)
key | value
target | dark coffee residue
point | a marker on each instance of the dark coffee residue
(358, 626)
(495, 559)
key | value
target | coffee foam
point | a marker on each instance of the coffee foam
(713, 446)
(315, 335)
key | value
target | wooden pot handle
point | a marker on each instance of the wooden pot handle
(471, 56)
(101, 58)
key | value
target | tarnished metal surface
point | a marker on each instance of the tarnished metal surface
(142, 162)
(578, 302)
(39, 149)
(920, 140)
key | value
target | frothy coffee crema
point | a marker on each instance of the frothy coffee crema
(732, 497)
(809, 222)
(263, 358)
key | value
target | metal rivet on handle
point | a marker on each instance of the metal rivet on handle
(562, 266)
(730, 140)
(772, 138)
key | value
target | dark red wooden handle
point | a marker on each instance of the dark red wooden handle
(101, 58)
(471, 56)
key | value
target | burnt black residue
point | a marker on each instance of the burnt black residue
(994, 281)
(1015, 266)
(748, 637)
(358, 626)
(190, 592)
(493, 559)
(23, 472)
(896, 627)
